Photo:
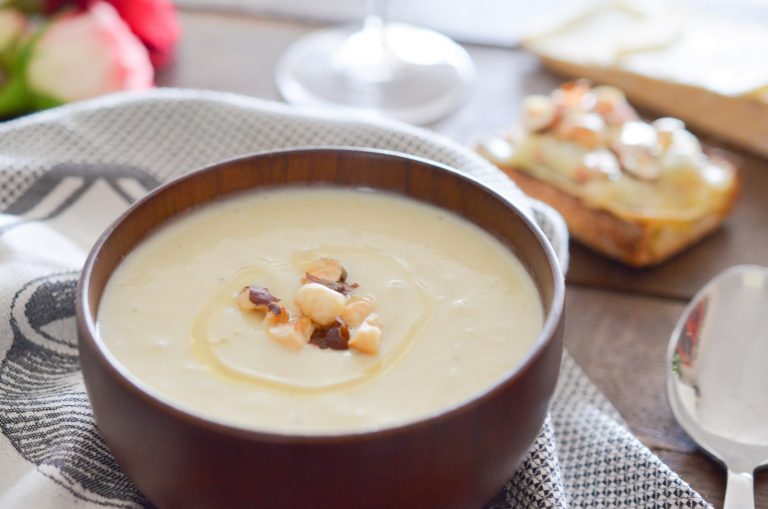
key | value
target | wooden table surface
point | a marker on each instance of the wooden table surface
(618, 320)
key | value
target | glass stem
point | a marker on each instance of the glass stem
(375, 13)
(373, 24)
(365, 56)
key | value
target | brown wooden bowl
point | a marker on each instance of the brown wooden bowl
(457, 459)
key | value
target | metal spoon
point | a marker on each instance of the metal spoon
(717, 375)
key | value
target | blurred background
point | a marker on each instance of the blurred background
(496, 22)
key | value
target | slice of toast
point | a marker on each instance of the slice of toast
(638, 242)
(639, 214)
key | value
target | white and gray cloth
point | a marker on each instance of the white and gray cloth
(67, 173)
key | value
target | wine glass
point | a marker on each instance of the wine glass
(383, 69)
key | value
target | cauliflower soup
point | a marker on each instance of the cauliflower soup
(319, 311)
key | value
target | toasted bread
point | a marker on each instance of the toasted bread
(638, 242)
(640, 210)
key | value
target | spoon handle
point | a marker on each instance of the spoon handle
(739, 492)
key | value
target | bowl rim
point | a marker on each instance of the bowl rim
(87, 330)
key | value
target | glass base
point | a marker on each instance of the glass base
(396, 71)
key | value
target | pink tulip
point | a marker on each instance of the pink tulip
(154, 23)
(12, 24)
(82, 55)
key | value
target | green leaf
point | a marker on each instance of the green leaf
(15, 99)
(43, 102)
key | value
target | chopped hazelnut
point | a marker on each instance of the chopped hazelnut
(638, 134)
(366, 339)
(276, 315)
(288, 335)
(255, 298)
(357, 310)
(243, 302)
(585, 129)
(342, 287)
(601, 163)
(666, 128)
(612, 104)
(574, 97)
(319, 303)
(325, 311)
(638, 162)
(335, 337)
(539, 113)
(305, 327)
(329, 269)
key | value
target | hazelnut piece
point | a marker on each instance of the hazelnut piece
(319, 303)
(366, 339)
(357, 310)
(329, 269)
(288, 335)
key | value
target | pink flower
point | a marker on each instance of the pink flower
(154, 23)
(82, 55)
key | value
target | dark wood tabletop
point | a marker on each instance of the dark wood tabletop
(618, 319)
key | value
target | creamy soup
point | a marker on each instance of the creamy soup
(456, 311)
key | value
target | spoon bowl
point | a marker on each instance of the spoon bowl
(717, 379)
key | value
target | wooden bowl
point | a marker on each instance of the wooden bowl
(457, 459)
